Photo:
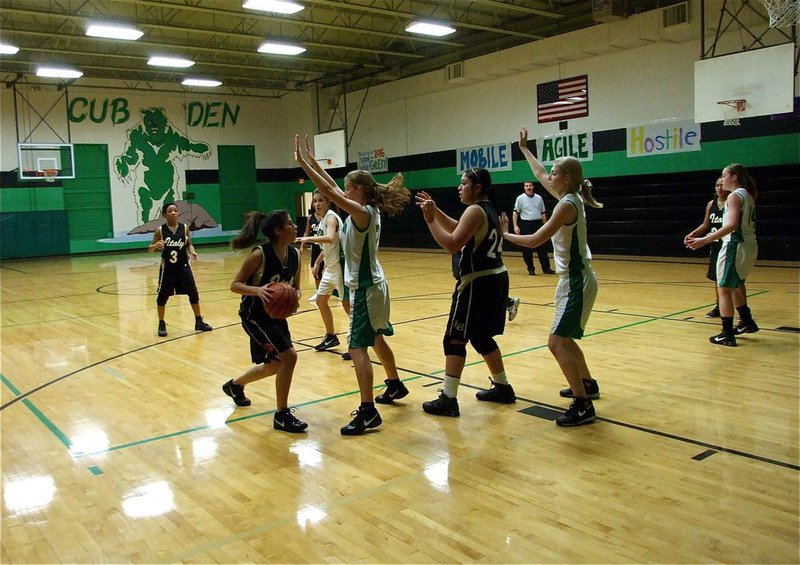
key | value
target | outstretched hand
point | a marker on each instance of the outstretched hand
(523, 137)
(297, 155)
(503, 224)
(427, 205)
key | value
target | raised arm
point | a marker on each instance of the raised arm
(326, 185)
(538, 169)
(452, 241)
(319, 168)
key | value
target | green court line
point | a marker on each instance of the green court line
(38, 413)
(63, 438)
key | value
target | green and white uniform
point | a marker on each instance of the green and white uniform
(363, 275)
(739, 248)
(332, 280)
(577, 283)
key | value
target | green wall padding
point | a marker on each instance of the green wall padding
(34, 234)
(237, 183)
(87, 197)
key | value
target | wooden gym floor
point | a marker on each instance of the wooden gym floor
(119, 446)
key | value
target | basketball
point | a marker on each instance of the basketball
(284, 301)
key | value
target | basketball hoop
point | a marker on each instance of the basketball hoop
(49, 174)
(782, 13)
(731, 110)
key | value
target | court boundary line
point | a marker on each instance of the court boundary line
(417, 375)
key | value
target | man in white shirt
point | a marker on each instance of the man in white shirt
(529, 215)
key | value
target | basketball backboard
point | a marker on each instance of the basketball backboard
(331, 146)
(764, 78)
(38, 161)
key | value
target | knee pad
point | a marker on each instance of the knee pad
(484, 345)
(454, 348)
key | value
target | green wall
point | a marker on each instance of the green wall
(79, 213)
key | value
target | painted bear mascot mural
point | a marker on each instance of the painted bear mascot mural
(148, 165)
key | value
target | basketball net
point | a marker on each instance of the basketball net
(782, 13)
(50, 174)
(731, 110)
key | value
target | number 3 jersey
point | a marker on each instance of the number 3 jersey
(175, 275)
(174, 252)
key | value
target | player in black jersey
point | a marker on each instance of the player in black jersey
(478, 308)
(274, 260)
(175, 274)
(712, 221)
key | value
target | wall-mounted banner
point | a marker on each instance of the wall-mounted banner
(374, 161)
(664, 138)
(578, 145)
(496, 157)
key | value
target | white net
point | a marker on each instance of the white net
(782, 13)
(732, 111)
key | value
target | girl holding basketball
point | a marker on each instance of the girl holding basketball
(274, 260)
(175, 275)
(478, 308)
(331, 259)
(577, 284)
(364, 199)
(738, 253)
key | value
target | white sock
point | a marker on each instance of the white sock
(451, 386)
(500, 378)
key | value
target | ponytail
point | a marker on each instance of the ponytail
(254, 224)
(585, 191)
(389, 198)
(745, 180)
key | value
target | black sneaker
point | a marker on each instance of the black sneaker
(442, 406)
(285, 421)
(364, 418)
(590, 386)
(236, 392)
(201, 326)
(162, 328)
(330, 341)
(504, 394)
(531, 272)
(346, 356)
(513, 308)
(723, 338)
(713, 313)
(395, 390)
(549, 272)
(746, 327)
(577, 414)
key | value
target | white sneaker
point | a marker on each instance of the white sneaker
(513, 308)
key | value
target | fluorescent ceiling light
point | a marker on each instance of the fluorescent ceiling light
(170, 62)
(57, 72)
(6, 49)
(274, 6)
(112, 31)
(430, 28)
(200, 82)
(280, 48)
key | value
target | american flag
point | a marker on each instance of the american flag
(562, 99)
